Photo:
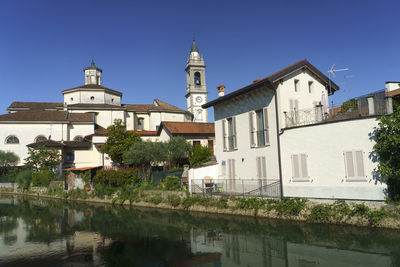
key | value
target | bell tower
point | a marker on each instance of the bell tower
(92, 74)
(196, 89)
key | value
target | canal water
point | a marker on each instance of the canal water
(37, 232)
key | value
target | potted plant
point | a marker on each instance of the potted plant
(86, 179)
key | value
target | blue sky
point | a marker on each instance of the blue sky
(142, 46)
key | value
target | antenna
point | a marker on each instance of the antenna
(332, 72)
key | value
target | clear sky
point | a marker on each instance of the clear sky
(142, 46)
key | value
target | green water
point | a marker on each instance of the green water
(36, 232)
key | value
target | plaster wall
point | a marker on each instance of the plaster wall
(324, 146)
(79, 130)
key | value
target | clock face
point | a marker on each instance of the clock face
(198, 99)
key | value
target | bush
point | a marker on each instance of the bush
(101, 191)
(42, 178)
(361, 210)
(174, 200)
(320, 213)
(172, 183)
(290, 206)
(24, 179)
(117, 178)
(201, 154)
(155, 199)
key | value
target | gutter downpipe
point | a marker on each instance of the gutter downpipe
(278, 139)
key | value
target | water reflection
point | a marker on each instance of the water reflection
(54, 233)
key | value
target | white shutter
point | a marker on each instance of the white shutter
(224, 134)
(234, 133)
(296, 112)
(258, 161)
(252, 130)
(349, 164)
(295, 166)
(266, 126)
(264, 168)
(233, 169)
(304, 172)
(360, 164)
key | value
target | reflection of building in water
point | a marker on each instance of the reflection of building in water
(251, 250)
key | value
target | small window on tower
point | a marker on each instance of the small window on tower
(197, 80)
(72, 99)
(92, 98)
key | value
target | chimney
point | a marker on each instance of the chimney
(221, 90)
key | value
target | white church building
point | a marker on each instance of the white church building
(77, 126)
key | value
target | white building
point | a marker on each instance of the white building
(88, 110)
(276, 135)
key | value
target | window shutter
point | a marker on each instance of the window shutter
(303, 158)
(349, 164)
(266, 126)
(258, 160)
(234, 132)
(360, 164)
(295, 166)
(251, 126)
(224, 134)
(233, 169)
(264, 168)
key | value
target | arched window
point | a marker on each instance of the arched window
(40, 138)
(140, 124)
(12, 139)
(78, 138)
(197, 80)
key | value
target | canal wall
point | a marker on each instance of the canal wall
(365, 214)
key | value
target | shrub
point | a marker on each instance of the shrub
(117, 178)
(200, 155)
(101, 191)
(187, 202)
(172, 183)
(361, 210)
(155, 199)
(377, 215)
(290, 206)
(222, 203)
(174, 200)
(23, 179)
(42, 178)
(320, 213)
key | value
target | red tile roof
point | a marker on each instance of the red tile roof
(188, 128)
(158, 105)
(34, 105)
(93, 87)
(393, 93)
(44, 115)
(105, 132)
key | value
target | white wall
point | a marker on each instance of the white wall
(79, 129)
(324, 145)
(100, 97)
(196, 175)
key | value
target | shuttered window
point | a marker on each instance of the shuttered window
(299, 166)
(261, 168)
(266, 126)
(224, 135)
(354, 164)
(231, 169)
(259, 128)
(229, 133)
(252, 129)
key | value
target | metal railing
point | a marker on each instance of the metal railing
(243, 187)
(316, 115)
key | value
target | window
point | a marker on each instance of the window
(299, 166)
(259, 128)
(92, 98)
(70, 156)
(296, 85)
(140, 124)
(310, 87)
(294, 110)
(72, 99)
(261, 168)
(211, 146)
(12, 139)
(231, 169)
(195, 143)
(229, 134)
(197, 80)
(354, 164)
(40, 138)
(78, 138)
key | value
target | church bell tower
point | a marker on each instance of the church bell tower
(196, 89)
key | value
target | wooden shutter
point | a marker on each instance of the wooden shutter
(258, 160)
(266, 126)
(359, 163)
(233, 168)
(224, 134)
(252, 130)
(349, 164)
(303, 159)
(295, 166)
(264, 167)
(234, 133)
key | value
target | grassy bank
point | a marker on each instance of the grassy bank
(338, 212)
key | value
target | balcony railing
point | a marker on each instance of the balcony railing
(316, 115)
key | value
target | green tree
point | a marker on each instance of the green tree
(387, 145)
(177, 150)
(349, 105)
(42, 158)
(200, 154)
(145, 154)
(7, 159)
(119, 140)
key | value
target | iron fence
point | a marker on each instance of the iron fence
(244, 187)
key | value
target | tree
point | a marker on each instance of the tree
(119, 140)
(387, 145)
(42, 158)
(7, 159)
(145, 154)
(177, 150)
(200, 154)
(349, 105)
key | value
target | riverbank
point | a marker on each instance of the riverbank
(366, 214)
